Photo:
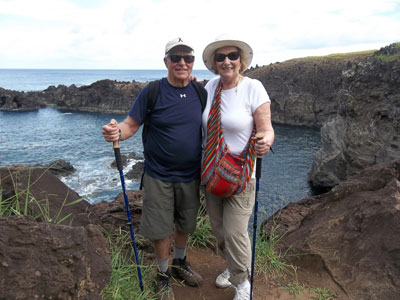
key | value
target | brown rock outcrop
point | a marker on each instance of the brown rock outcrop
(40, 259)
(49, 261)
(349, 236)
(45, 195)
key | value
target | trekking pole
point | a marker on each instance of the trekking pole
(118, 160)
(258, 176)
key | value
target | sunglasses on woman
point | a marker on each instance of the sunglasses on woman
(220, 57)
(175, 58)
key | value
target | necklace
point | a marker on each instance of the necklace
(237, 84)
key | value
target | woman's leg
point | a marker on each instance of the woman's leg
(236, 214)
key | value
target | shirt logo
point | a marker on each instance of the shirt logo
(183, 95)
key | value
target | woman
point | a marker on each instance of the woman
(243, 103)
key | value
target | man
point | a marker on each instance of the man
(172, 152)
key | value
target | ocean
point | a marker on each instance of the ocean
(40, 79)
(45, 135)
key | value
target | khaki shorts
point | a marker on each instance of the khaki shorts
(168, 203)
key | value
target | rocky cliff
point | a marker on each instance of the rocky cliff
(366, 128)
(356, 99)
(303, 91)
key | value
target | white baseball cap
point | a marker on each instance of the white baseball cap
(177, 42)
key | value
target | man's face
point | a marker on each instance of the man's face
(179, 63)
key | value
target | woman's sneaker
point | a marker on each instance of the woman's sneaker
(222, 280)
(243, 291)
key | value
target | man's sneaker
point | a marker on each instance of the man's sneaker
(164, 289)
(243, 291)
(181, 269)
(222, 280)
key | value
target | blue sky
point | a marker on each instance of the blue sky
(131, 34)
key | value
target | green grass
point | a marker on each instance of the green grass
(202, 236)
(341, 55)
(19, 202)
(124, 282)
(269, 260)
(315, 293)
(323, 294)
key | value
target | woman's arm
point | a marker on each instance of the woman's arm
(262, 118)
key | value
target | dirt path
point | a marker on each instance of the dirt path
(210, 265)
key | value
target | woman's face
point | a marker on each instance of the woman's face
(227, 67)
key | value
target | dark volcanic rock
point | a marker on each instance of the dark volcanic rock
(49, 261)
(101, 96)
(21, 101)
(126, 158)
(61, 167)
(136, 171)
(354, 97)
(366, 129)
(303, 91)
(350, 235)
(113, 216)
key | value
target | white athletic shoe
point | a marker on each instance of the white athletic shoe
(243, 291)
(222, 280)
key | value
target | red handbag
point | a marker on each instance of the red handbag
(228, 177)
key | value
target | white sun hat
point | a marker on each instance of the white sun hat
(224, 40)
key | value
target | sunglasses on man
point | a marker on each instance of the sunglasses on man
(220, 57)
(175, 58)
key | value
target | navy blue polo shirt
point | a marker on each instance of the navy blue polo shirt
(173, 144)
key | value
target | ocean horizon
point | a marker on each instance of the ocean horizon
(27, 80)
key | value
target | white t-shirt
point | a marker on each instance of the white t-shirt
(237, 108)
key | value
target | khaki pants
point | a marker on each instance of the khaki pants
(229, 220)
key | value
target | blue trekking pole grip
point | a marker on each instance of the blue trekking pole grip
(118, 160)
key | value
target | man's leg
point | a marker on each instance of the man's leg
(187, 203)
(180, 267)
(180, 239)
(161, 248)
(156, 225)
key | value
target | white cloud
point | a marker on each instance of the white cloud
(131, 34)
